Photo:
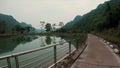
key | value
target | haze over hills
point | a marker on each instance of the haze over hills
(8, 23)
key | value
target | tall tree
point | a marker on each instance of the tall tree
(42, 25)
(48, 27)
(61, 24)
(53, 27)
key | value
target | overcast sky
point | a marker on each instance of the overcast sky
(50, 11)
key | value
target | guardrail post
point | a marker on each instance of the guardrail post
(8, 62)
(55, 55)
(16, 61)
(69, 47)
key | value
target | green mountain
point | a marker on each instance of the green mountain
(103, 21)
(9, 25)
(105, 17)
(71, 23)
(24, 24)
(7, 22)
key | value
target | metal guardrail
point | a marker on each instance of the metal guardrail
(16, 55)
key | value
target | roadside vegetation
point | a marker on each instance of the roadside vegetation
(103, 21)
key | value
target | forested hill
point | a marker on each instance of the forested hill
(105, 18)
(71, 23)
(9, 25)
(103, 21)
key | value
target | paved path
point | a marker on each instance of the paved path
(97, 55)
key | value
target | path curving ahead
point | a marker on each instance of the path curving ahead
(97, 55)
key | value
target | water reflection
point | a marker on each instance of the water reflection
(75, 38)
(42, 42)
(54, 38)
(24, 39)
(9, 44)
(48, 40)
(69, 38)
(22, 43)
(42, 58)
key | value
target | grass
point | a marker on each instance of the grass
(111, 38)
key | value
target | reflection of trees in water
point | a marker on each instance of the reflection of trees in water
(54, 40)
(81, 38)
(42, 43)
(8, 44)
(24, 39)
(48, 40)
(61, 40)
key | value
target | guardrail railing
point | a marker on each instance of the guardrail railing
(16, 55)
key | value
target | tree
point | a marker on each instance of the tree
(48, 40)
(61, 24)
(28, 29)
(13, 30)
(22, 30)
(53, 27)
(2, 27)
(42, 25)
(18, 28)
(48, 27)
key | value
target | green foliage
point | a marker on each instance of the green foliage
(61, 30)
(8, 25)
(104, 20)
(48, 27)
(48, 40)
(2, 27)
(106, 16)
(110, 38)
(18, 29)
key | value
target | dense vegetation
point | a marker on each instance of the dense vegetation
(103, 21)
(8, 25)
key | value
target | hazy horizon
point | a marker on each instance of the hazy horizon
(55, 11)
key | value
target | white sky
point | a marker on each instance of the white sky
(50, 11)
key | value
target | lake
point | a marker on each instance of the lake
(38, 59)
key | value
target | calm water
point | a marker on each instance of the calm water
(38, 59)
